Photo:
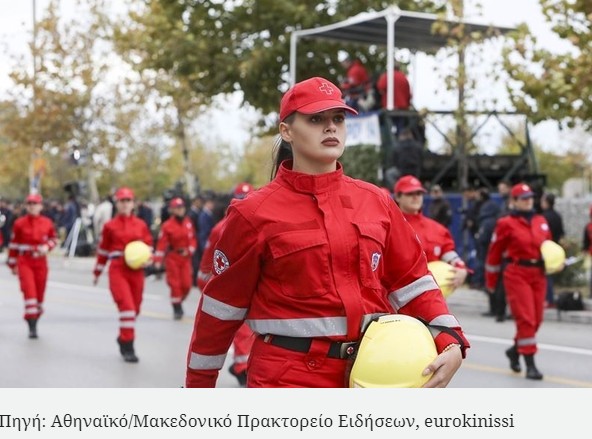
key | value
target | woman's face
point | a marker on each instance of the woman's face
(524, 204)
(410, 202)
(34, 208)
(125, 206)
(317, 140)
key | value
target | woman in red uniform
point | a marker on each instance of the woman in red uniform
(436, 240)
(33, 236)
(126, 284)
(517, 240)
(310, 259)
(176, 244)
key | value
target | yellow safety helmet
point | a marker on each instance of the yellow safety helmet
(443, 274)
(136, 254)
(553, 256)
(394, 352)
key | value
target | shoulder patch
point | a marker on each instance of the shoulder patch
(220, 262)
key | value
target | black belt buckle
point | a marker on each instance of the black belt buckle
(348, 349)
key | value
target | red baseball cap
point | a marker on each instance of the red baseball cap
(407, 184)
(177, 202)
(34, 198)
(521, 190)
(311, 96)
(242, 190)
(124, 193)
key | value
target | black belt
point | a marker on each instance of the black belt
(526, 262)
(339, 350)
(182, 251)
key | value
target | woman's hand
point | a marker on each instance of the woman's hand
(444, 367)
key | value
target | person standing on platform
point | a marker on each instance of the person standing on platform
(126, 283)
(33, 237)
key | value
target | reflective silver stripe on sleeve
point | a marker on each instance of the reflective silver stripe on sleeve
(493, 268)
(103, 252)
(11, 261)
(447, 320)
(159, 253)
(401, 297)
(221, 310)
(450, 257)
(204, 362)
(526, 341)
(115, 254)
(13, 245)
(305, 327)
(204, 276)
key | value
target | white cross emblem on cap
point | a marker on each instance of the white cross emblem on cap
(326, 88)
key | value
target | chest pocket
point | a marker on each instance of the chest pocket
(371, 241)
(300, 262)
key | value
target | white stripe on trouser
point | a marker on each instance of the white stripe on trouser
(127, 324)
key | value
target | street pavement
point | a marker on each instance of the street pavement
(77, 348)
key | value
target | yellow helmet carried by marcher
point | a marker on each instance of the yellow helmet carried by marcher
(443, 274)
(553, 256)
(136, 254)
(394, 352)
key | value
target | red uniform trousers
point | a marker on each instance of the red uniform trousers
(32, 273)
(242, 343)
(273, 366)
(525, 293)
(179, 272)
(126, 287)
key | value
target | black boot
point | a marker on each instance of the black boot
(177, 311)
(241, 377)
(532, 373)
(514, 356)
(32, 328)
(127, 351)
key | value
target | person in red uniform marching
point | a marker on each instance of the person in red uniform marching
(126, 284)
(310, 259)
(33, 236)
(436, 240)
(243, 340)
(517, 240)
(176, 244)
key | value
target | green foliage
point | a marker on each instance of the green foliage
(362, 162)
(554, 86)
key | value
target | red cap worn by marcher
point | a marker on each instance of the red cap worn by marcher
(521, 190)
(311, 96)
(407, 184)
(34, 198)
(124, 193)
(176, 202)
(242, 190)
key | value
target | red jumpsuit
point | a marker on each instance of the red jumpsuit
(176, 244)
(518, 241)
(436, 240)
(313, 258)
(244, 338)
(28, 233)
(126, 285)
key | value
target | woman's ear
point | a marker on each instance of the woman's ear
(284, 129)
